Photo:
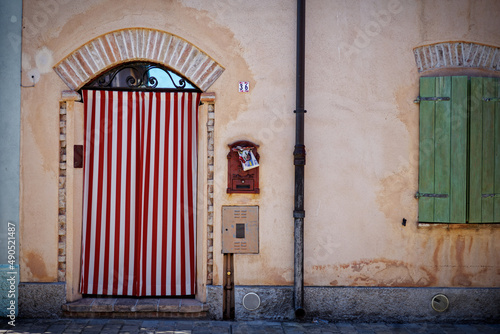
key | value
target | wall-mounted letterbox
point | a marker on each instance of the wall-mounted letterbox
(243, 168)
(240, 229)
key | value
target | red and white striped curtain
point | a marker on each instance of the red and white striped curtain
(139, 208)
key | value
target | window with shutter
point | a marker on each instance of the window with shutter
(459, 164)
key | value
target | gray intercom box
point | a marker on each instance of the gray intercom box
(240, 229)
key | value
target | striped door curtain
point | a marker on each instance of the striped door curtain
(139, 209)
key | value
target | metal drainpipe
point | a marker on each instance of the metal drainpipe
(299, 155)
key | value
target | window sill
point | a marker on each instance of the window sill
(447, 226)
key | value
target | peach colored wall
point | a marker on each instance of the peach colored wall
(361, 131)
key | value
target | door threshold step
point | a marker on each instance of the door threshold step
(89, 307)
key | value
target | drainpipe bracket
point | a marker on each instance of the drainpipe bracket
(300, 111)
(298, 161)
(299, 214)
(299, 155)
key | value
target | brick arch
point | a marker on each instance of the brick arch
(457, 55)
(138, 44)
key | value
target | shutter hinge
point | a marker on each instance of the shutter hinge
(491, 99)
(490, 195)
(418, 195)
(420, 98)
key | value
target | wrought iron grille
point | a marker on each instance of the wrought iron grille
(141, 76)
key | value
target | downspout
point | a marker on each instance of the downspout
(299, 160)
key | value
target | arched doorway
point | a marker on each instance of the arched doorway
(110, 51)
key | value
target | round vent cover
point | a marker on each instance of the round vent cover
(440, 303)
(251, 301)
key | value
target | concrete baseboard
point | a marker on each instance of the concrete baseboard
(214, 301)
(276, 303)
(41, 300)
(373, 304)
(364, 304)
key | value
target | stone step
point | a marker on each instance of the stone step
(106, 307)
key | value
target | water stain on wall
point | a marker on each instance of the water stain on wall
(396, 199)
(461, 277)
(378, 272)
(460, 256)
(385, 272)
(450, 265)
(267, 275)
(35, 268)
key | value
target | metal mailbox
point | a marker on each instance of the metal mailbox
(239, 180)
(240, 229)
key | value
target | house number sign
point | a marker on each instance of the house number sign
(244, 86)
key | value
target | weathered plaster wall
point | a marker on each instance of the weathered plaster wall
(361, 131)
(363, 119)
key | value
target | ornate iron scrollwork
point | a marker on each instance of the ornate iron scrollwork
(139, 76)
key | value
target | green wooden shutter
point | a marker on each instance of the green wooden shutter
(484, 165)
(443, 150)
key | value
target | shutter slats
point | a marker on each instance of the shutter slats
(488, 151)
(458, 193)
(426, 150)
(442, 150)
(484, 152)
(475, 155)
(496, 199)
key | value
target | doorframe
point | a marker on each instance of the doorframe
(71, 194)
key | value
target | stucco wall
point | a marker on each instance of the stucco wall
(362, 117)
(361, 131)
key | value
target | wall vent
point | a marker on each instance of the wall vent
(251, 301)
(440, 303)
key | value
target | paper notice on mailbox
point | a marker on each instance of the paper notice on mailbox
(247, 158)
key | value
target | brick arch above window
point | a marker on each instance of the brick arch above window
(138, 44)
(457, 55)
